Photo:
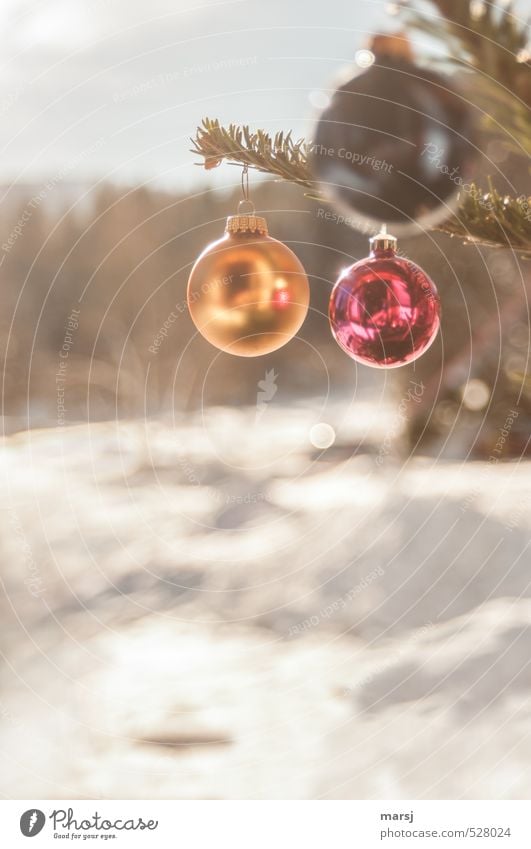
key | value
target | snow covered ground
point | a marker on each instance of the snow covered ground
(217, 609)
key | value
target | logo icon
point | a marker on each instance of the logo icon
(267, 389)
(32, 822)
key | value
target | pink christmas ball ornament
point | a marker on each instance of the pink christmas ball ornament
(384, 310)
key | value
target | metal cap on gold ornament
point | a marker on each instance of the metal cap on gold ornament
(246, 222)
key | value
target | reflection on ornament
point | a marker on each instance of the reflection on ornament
(384, 310)
(396, 142)
(248, 294)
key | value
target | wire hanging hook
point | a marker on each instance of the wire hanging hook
(245, 182)
(245, 193)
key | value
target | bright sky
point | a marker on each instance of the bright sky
(92, 88)
(116, 87)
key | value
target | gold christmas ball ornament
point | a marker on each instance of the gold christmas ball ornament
(248, 294)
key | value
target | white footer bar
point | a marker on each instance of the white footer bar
(266, 825)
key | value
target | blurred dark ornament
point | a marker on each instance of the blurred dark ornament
(396, 141)
(384, 310)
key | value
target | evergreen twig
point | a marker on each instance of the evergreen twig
(486, 218)
(281, 156)
(488, 37)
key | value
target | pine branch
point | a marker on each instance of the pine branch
(485, 218)
(488, 31)
(492, 220)
(488, 37)
(280, 156)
